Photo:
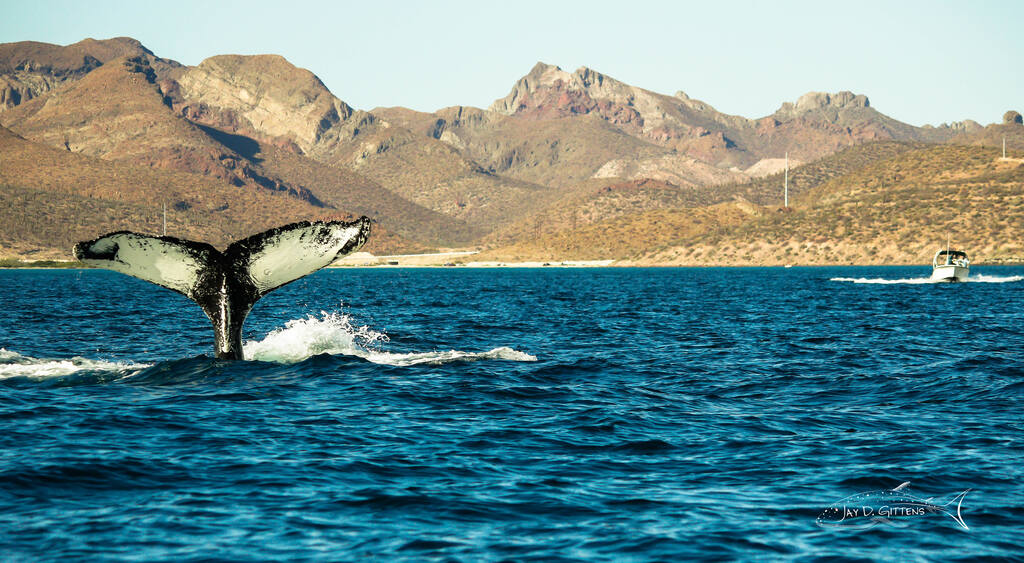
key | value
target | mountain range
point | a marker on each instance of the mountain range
(106, 135)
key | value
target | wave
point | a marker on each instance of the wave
(15, 365)
(300, 339)
(981, 278)
(335, 335)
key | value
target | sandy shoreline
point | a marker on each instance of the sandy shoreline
(457, 259)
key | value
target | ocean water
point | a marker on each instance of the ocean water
(506, 414)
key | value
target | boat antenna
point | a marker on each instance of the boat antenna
(785, 188)
(165, 218)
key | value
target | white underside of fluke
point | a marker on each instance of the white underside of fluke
(158, 261)
(292, 254)
(227, 284)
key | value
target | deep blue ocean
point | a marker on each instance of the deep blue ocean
(515, 414)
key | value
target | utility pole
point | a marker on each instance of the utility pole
(165, 218)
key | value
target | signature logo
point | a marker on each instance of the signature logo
(892, 507)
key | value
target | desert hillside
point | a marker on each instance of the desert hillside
(103, 134)
(896, 211)
(50, 199)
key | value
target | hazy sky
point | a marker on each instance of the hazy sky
(918, 61)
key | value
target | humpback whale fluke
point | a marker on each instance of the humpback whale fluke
(227, 284)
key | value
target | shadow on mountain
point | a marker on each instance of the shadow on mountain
(246, 147)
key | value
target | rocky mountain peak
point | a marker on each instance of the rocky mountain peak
(60, 61)
(29, 69)
(541, 75)
(545, 74)
(841, 100)
(108, 49)
(270, 71)
(263, 96)
(965, 126)
(814, 101)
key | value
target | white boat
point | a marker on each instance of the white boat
(950, 266)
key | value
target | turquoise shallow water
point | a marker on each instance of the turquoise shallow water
(541, 414)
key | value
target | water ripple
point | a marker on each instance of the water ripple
(555, 415)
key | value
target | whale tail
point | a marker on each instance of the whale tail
(227, 284)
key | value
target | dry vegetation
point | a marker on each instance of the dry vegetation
(240, 144)
(342, 188)
(768, 190)
(624, 236)
(886, 204)
(50, 199)
(896, 211)
(598, 201)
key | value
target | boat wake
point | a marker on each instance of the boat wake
(334, 334)
(916, 281)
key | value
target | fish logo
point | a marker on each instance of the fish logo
(890, 506)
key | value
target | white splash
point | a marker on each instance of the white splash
(981, 278)
(13, 364)
(885, 281)
(334, 334)
(411, 359)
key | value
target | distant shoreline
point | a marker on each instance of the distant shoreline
(15, 264)
(555, 265)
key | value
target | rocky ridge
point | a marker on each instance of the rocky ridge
(456, 176)
(260, 96)
(29, 69)
(117, 112)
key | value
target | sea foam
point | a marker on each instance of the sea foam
(13, 364)
(334, 334)
(981, 278)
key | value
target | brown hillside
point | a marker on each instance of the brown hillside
(816, 125)
(624, 236)
(562, 153)
(674, 122)
(274, 103)
(558, 129)
(895, 211)
(596, 203)
(768, 190)
(342, 188)
(555, 149)
(993, 135)
(264, 97)
(29, 69)
(436, 176)
(53, 198)
(61, 61)
(552, 152)
(117, 112)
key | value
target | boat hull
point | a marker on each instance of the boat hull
(950, 273)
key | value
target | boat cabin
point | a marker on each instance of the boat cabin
(950, 258)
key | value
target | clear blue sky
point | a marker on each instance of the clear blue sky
(918, 61)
